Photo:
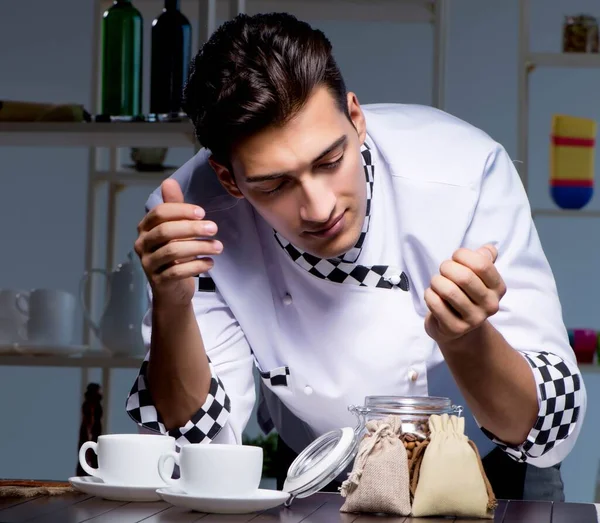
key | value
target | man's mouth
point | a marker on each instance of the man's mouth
(330, 229)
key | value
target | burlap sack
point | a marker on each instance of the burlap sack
(447, 476)
(379, 480)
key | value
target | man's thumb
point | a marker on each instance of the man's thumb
(490, 251)
(171, 192)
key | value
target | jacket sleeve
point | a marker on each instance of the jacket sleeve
(231, 397)
(530, 315)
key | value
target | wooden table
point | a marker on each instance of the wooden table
(319, 508)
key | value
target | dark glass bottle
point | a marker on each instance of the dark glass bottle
(170, 58)
(122, 60)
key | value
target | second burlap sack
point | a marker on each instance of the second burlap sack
(447, 476)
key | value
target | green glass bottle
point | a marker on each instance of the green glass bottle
(121, 60)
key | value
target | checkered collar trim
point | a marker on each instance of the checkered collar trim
(344, 269)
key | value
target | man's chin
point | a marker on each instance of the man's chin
(331, 250)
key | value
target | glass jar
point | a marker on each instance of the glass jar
(332, 453)
(414, 411)
(580, 34)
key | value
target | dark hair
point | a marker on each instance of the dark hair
(255, 72)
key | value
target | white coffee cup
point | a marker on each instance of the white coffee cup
(215, 470)
(128, 459)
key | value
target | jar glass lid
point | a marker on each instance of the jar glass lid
(426, 405)
(321, 462)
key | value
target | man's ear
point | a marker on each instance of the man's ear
(226, 178)
(357, 117)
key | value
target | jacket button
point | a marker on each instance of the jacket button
(395, 279)
(413, 375)
(308, 390)
(287, 300)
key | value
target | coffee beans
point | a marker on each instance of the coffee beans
(423, 430)
(416, 434)
(410, 446)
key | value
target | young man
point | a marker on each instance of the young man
(346, 251)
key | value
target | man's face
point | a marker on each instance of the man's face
(306, 178)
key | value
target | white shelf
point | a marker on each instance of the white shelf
(570, 60)
(132, 177)
(88, 134)
(89, 361)
(565, 213)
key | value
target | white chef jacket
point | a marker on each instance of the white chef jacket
(320, 345)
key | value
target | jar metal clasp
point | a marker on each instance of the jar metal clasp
(458, 410)
(361, 415)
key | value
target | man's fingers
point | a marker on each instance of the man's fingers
(489, 250)
(180, 230)
(181, 271)
(480, 264)
(181, 252)
(445, 317)
(171, 191)
(170, 212)
(466, 279)
(454, 296)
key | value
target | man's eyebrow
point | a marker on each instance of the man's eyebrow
(266, 177)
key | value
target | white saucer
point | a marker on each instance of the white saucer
(262, 500)
(96, 487)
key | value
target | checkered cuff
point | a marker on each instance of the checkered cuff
(559, 393)
(204, 425)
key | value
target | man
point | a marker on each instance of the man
(346, 251)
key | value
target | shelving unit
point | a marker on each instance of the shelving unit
(113, 136)
(528, 62)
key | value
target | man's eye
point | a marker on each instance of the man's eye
(275, 189)
(334, 164)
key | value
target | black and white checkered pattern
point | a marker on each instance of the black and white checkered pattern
(352, 255)
(560, 403)
(204, 425)
(276, 377)
(344, 269)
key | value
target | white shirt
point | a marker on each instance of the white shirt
(439, 184)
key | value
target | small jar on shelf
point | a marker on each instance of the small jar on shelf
(580, 34)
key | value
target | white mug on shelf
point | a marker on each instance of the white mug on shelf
(12, 317)
(215, 470)
(51, 315)
(128, 459)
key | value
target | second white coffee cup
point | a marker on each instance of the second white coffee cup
(215, 470)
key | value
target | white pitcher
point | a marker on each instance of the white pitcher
(126, 302)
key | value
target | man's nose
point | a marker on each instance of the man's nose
(318, 201)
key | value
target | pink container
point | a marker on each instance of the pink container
(584, 344)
